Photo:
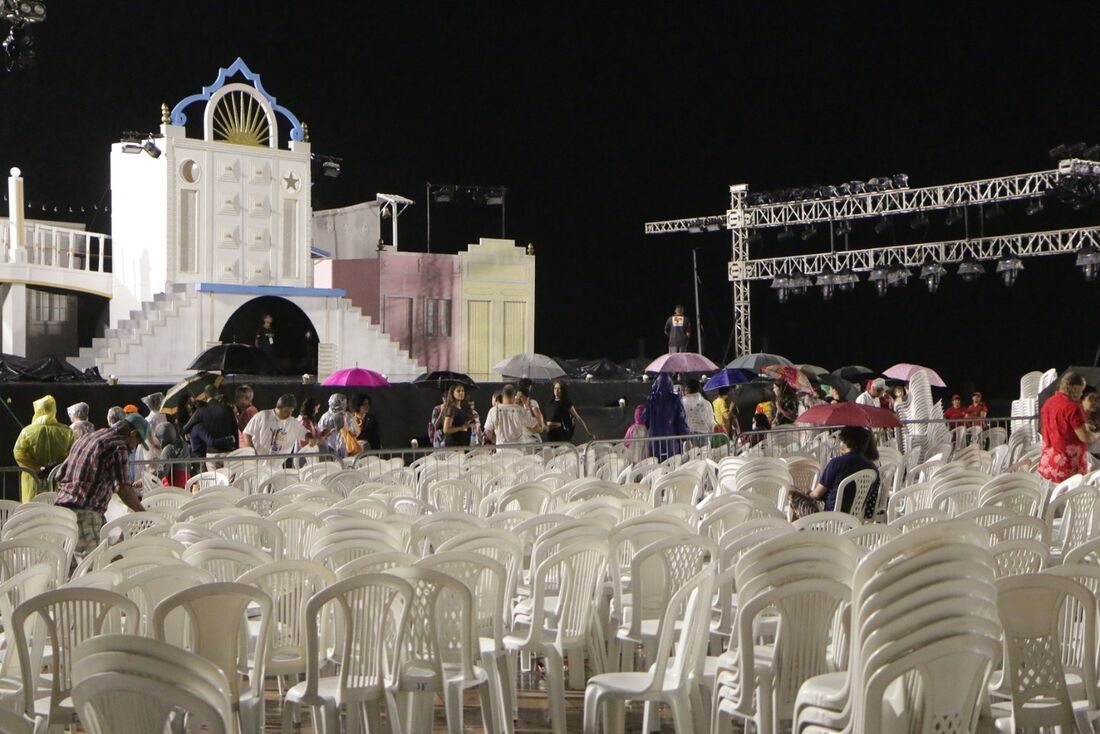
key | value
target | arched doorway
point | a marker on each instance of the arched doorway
(295, 336)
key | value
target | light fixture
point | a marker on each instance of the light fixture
(799, 283)
(883, 226)
(495, 197)
(781, 286)
(1009, 267)
(931, 273)
(845, 279)
(994, 212)
(1088, 259)
(131, 148)
(808, 232)
(900, 180)
(330, 165)
(880, 276)
(843, 228)
(857, 187)
(151, 148)
(1034, 207)
(898, 276)
(443, 194)
(785, 234)
(826, 282)
(970, 270)
(919, 222)
(954, 217)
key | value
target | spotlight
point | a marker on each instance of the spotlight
(843, 190)
(781, 286)
(799, 283)
(443, 194)
(900, 180)
(877, 184)
(857, 187)
(1009, 267)
(495, 197)
(151, 148)
(994, 212)
(880, 276)
(970, 270)
(898, 276)
(1088, 259)
(845, 279)
(919, 222)
(330, 169)
(954, 217)
(785, 234)
(931, 273)
(843, 228)
(1058, 152)
(827, 192)
(131, 148)
(884, 225)
(1034, 207)
(1076, 150)
(826, 281)
(808, 233)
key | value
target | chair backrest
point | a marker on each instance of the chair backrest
(256, 532)
(859, 486)
(829, 522)
(14, 590)
(151, 586)
(918, 519)
(20, 554)
(1079, 519)
(1030, 608)
(71, 616)
(1087, 553)
(682, 631)
(218, 630)
(1020, 527)
(440, 624)
(872, 535)
(1019, 557)
(684, 487)
(659, 569)
(225, 559)
(580, 570)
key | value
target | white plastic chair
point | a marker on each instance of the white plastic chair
(837, 523)
(225, 559)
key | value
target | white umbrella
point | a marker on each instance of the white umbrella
(531, 366)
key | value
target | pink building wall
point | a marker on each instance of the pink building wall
(393, 290)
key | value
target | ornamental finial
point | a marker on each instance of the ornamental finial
(165, 114)
(305, 132)
(530, 249)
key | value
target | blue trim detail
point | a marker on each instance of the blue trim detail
(271, 290)
(224, 74)
(319, 252)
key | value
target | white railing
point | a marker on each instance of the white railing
(57, 247)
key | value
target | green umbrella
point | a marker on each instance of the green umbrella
(190, 387)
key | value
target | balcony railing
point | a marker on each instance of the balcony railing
(57, 247)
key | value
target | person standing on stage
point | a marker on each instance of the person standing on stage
(678, 330)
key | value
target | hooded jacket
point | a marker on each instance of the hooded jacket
(43, 443)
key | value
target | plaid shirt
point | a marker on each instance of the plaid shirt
(96, 468)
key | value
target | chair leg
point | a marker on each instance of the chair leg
(577, 678)
(681, 713)
(651, 719)
(452, 704)
(290, 713)
(592, 710)
(490, 712)
(373, 710)
(699, 713)
(331, 714)
(555, 689)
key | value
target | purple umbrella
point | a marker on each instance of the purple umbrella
(905, 371)
(681, 362)
(355, 377)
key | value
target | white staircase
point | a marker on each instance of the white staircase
(157, 342)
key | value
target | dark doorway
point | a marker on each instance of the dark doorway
(295, 335)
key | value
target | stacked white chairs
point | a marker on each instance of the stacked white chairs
(912, 498)
(836, 523)
(128, 684)
(257, 532)
(766, 477)
(675, 675)
(454, 495)
(1017, 491)
(681, 487)
(165, 504)
(20, 554)
(56, 525)
(1041, 614)
(1020, 527)
(924, 617)
(206, 479)
(872, 535)
(131, 525)
(263, 504)
(550, 631)
(958, 493)
(26, 584)
(920, 518)
(67, 618)
(148, 586)
(1071, 518)
(804, 473)
(804, 579)
(989, 516)
(217, 629)
(373, 611)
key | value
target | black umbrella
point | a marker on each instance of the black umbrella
(603, 369)
(193, 386)
(240, 359)
(856, 373)
(442, 379)
(847, 390)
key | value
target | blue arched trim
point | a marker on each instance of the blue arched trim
(224, 75)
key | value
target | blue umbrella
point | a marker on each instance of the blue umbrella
(728, 378)
(757, 360)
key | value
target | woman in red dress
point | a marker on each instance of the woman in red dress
(1066, 434)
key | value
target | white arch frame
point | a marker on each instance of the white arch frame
(269, 112)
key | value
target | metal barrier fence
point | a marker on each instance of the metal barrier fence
(602, 458)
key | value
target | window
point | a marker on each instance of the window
(189, 231)
(49, 307)
(437, 317)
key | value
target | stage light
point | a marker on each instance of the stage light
(900, 180)
(954, 217)
(151, 148)
(799, 283)
(1058, 152)
(843, 228)
(931, 273)
(1009, 267)
(826, 282)
(994, 212)
(880, 276)
(131, 148)
(330, 169)
(898, 276)
(443, 194)
(877, 184)
(970, 270)
(857, 187)
(1076, 150)
(1034, 207)
(785, 234)
(843, 190)
(883, 226)
(808, 233)
(919, 222)
(845, 279)
(781, 286)
(495, 197)
(1088, 259)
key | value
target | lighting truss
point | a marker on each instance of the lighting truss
(1033, 244)
(891, 202)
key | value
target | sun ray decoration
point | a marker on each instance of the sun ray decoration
(240, 119)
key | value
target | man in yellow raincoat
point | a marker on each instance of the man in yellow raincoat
(43, 443)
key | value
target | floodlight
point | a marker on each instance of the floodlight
(970, 270)
(1034, 207)
(880, 276)
(931, 273)
(1009, 267)
(1088, 259)
(884, 225)
(781, 285)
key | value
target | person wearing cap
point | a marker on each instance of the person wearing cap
(213, 427)
(977, 409)
(98, 467)
(130, 408)
(40, 446)
(872, 396)
(956, 411)
(78, 420)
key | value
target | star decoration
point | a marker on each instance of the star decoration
(292, 182)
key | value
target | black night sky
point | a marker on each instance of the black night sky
(600, 117)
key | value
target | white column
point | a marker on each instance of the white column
(13, 306)
(16, 246)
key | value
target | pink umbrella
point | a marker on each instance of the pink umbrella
(681, 362)
(356, 377)
(904, 371)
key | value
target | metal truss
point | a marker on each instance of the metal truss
(1033, 244)
(888, 203)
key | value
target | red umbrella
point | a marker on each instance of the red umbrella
(849, 414)
(793, 376)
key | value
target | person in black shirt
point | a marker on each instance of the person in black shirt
(265, 338)
(213, 427)
(370, 432)
(458, 420)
